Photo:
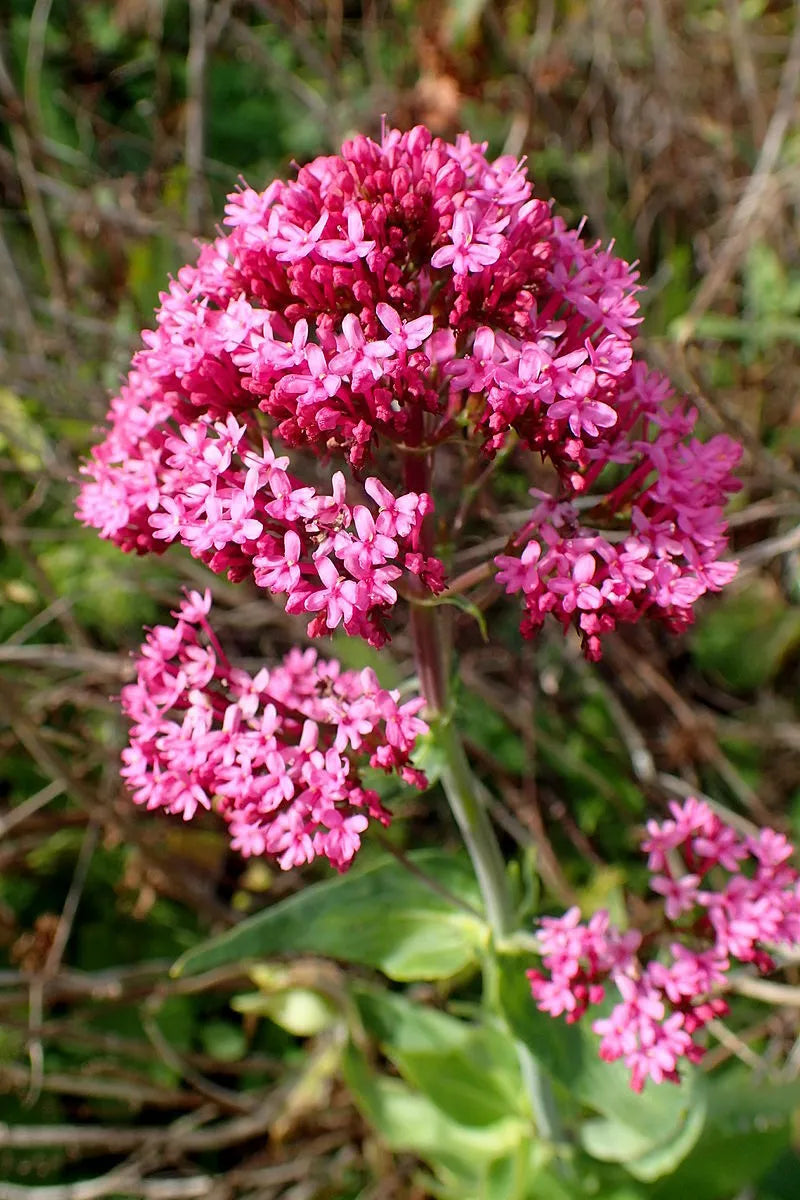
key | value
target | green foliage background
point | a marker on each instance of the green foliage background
(672, 125)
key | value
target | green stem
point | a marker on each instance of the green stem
(430, 647)
(540, 1093)
(432, 653)
(476, 829)
(478, 834)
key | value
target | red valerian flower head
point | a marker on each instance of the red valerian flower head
(277, 754)
(395, 298)
(710, 923)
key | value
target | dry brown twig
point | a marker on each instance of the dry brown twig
(54, 957)
(25, 164)
(744, 224)
(118, 1139)
(227, 1100)
(195, 114)
(130, 1091)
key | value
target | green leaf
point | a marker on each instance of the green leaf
(610, 1141)
(428, 757)
(527, 1175)
(384, 917)
(747, 1127)
(662, 1159)
(291, 998)
(658, 1152)
(471, 609)
(739, 1106)
(408, 1121)
(469, 1071)
(301, 1011)
(498, 1161)
(393, 1019)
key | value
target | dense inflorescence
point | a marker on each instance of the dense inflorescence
(389, 300)
(727, 899)
(282, 422)
(276, 754)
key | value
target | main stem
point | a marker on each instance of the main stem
(470, 814)
(477, 832)
(431, 649)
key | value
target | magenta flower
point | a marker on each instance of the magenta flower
(338, 595)
(290, 242)
(575, 587)
(464, 253)
(391, 298)
(672, 993)
(351, 246)
(276, 754)
(361, 359)
(404, 335)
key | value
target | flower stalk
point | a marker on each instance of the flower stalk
(473, 824)
(476, 829)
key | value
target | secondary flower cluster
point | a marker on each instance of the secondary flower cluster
(276, 754)
(664, 514)
(392, 299)
(727, 898)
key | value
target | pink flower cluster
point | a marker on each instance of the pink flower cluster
(726, 898)
(390, 299)
(242, 512)
(663, 528)
(276, 753)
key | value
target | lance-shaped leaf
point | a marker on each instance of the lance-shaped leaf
(410, 925)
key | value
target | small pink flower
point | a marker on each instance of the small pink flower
(577, 590)
(464, 253)
(280, 572)
(519, 574)
(351, 247)
(338, 596)
(404, 335)
(680, 895)
(291, 243)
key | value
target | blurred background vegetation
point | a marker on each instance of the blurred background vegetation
(672, 125)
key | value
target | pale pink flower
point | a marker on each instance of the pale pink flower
(465, 254)
(269, 747)
(672, 993)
